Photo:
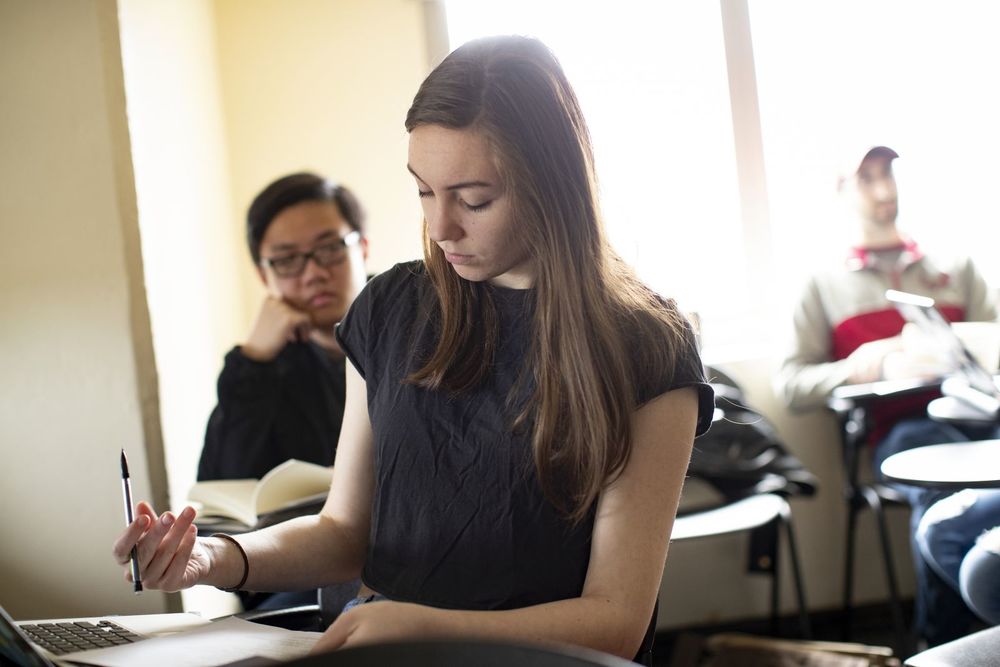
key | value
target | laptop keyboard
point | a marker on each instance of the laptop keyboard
(62, 638)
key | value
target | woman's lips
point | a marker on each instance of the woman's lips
(458, 259)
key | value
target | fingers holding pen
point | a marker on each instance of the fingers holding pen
(165, 548)
(165, 539)
(175, 577)
(122, 548)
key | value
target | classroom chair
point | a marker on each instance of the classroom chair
(765, 517)
(855, 426)
(461, 653)
(743, 459)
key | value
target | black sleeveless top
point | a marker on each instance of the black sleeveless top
(458, 518)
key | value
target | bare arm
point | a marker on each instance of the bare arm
(298, 554)
(631, 531)
(330, 547)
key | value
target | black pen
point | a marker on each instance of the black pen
(127, 493)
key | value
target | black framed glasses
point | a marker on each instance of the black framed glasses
(326, 254)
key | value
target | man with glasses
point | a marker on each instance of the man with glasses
(281, 393)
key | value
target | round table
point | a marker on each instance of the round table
(958, 465)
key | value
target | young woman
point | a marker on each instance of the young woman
(520, 408)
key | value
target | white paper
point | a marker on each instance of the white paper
(217, 643)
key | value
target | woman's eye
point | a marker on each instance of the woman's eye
(478, 207)
(424, 193)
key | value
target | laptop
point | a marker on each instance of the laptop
(153, 640)
(65, 641)
(972, 384)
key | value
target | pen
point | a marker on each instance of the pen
(127, 493)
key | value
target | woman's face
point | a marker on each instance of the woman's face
(466, 207)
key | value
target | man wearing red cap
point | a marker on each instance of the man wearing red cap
(847, 332)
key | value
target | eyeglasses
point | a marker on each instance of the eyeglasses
(325, 255)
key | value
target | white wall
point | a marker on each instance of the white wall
(78, 380)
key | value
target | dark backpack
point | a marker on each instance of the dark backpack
(741, 454)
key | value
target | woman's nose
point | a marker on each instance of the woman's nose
(442, 225)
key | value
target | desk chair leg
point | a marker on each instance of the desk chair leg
(804, 626)
(764, 557)
(875, 503)
(847, 611)
(775, 571)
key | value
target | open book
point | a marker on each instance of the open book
(293, 485)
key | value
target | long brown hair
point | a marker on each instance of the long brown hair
(588, 303)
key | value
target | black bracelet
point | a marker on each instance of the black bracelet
(246, 563)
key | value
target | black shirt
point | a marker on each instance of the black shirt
(458, 517)
(269, 412)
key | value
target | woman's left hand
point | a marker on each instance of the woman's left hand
(381, 621)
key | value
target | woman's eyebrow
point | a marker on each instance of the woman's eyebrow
(457, 186)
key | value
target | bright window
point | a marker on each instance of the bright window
(651, 77)
(917, 76)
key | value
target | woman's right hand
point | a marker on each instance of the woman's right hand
(170, 556)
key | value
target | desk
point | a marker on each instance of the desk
(960, 465)
(954, 410)
(884, 389)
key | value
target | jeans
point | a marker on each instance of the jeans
(960, 540)
(979, 576)
(940, 613)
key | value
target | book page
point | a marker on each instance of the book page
(289, 482)
(217, 643)
(231, 498)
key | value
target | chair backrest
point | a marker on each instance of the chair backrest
(455, 653)
(333, 598)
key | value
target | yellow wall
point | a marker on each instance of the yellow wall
(323, 85)
(192, 251)
(78, 380)
(223, 98)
